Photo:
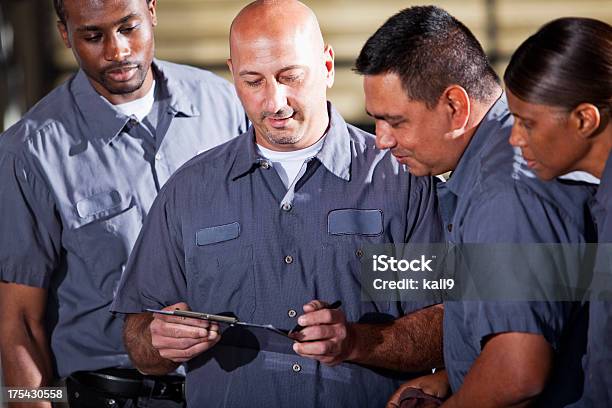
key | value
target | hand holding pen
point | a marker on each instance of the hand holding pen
(325, 336)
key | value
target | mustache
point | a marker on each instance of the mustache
(282, 113)
(120, 65)
(401, 153)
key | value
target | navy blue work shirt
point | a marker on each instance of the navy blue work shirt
(77, 178)
(492, 198)
(598, 360)
(226, 236)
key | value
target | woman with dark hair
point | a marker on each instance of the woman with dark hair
(559, 86)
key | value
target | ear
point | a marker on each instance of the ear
(63, 31)
(585, 119)
(329, 65)
(456, 102)
(230, 66)
(153, 11)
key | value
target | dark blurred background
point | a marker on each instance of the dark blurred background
(33, 60)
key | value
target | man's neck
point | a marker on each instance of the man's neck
(478, 112)
(118, 99)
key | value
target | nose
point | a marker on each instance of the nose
(517, 139)
(384, 138)
(276, 97)
(116, 48)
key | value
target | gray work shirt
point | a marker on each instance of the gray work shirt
(492, 198)
(598, 360)
(226, 236)
(77, 179)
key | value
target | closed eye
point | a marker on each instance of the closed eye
(253, 84)
(93, 38)
(128, 30)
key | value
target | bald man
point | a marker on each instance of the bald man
(271, 228)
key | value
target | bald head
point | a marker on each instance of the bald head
(282, 70)
(276, 21)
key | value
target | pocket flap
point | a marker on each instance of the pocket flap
(219, 233)
(101, 204)
(355, 222)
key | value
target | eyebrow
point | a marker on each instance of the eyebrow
(285, 69)
(122, 20)
(387, 118)
(516, 115)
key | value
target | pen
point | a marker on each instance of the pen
(334, 305)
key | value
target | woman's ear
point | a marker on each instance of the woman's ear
(585, 120)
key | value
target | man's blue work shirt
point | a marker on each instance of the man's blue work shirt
(598, 360)
(76, 181)
(492, 198)
(226, 236)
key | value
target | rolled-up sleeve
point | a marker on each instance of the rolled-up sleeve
(30, 231)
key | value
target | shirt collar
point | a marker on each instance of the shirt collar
(335, 154)
(176, 88)
(107, 121)
(466, 172)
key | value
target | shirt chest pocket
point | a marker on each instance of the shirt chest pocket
(349, 232)
(105, 228)
(221, 272)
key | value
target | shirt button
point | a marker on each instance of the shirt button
(288, 259)
(265, 165)
(133, 122)
(291, 313)
(158, 156)
(296, 368)
(287, 207)
(449, 227)
(359, 253)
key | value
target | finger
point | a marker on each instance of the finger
(181, 343)
(160, 342)
(322, 332)
(181, 319)
(327, 360)
(180, 356)
(314, 305)
(322, 316)
(394, 401)
(175, 330)
(316, 348)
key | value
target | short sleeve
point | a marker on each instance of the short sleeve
(155, 274)
(30, 230)
(519, 272)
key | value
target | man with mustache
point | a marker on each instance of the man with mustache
(78, 175)
(440, 107)
(272, 227)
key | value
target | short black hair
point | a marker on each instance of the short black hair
(429, 50)
(61, 11)
(566, 63)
